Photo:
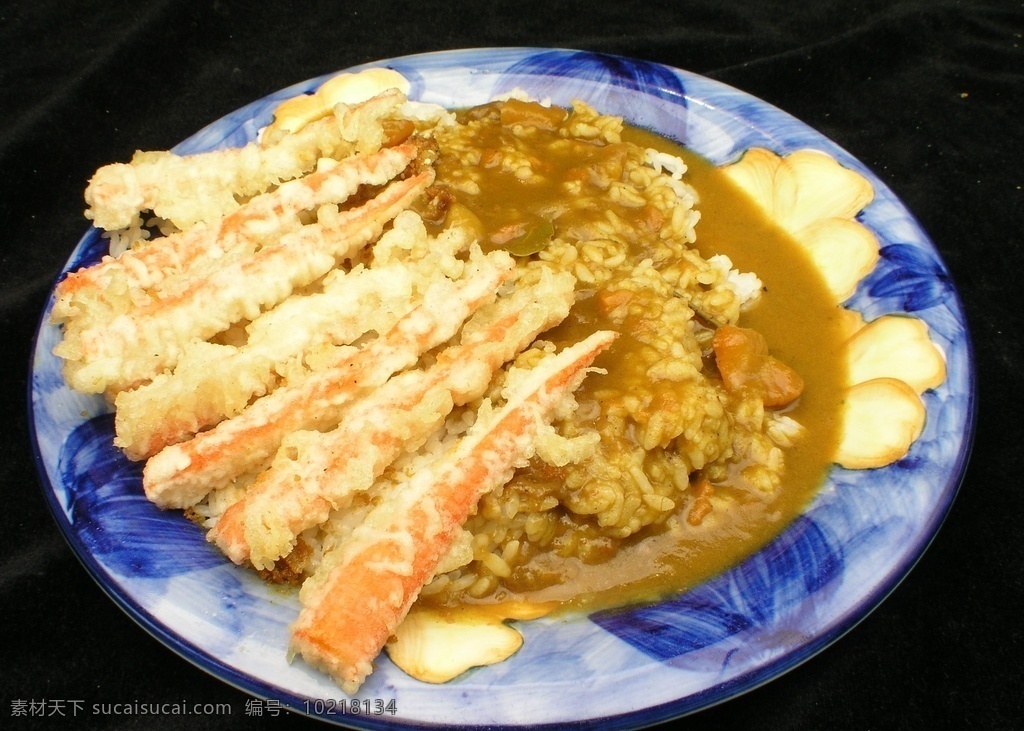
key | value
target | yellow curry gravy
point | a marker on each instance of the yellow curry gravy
(802, 325)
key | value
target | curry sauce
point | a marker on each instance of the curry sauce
(795, 315)
(799, 318)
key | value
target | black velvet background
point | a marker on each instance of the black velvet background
(928, 94)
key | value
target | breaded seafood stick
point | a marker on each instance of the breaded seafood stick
(316, 472)
(212, 382)
(136, 346)
(365, 588)
(189, 189)
(123, 280)
(182, 474)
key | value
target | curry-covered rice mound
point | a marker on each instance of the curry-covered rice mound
(665, 428)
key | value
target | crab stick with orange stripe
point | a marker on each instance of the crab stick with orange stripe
(261, 219)
(366, 589)
(213, 382)
(316, 472)
(136, 346)
(182, 474)
(214, 181)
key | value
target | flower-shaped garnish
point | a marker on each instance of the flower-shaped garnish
(891, 360)
(815, 200)
(435, 646)
(295, 113)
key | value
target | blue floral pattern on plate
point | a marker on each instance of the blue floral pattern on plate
(613, 669)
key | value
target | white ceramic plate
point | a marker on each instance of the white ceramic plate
(611, 670)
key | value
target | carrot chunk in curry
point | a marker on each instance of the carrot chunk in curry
(744, 363)
(531, 114)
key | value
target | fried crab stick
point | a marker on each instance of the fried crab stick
(212, 382)
(135, 346)
(315, 473)
(366, 588)
(182, 474)
(124, 279)
(202, 187)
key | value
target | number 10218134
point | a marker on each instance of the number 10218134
(351, 707)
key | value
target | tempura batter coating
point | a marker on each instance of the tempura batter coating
(183, 474)
(138, 345)
(361, 595)
(187, 190)
(315, 472)
(89, 296)
(213, 381)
